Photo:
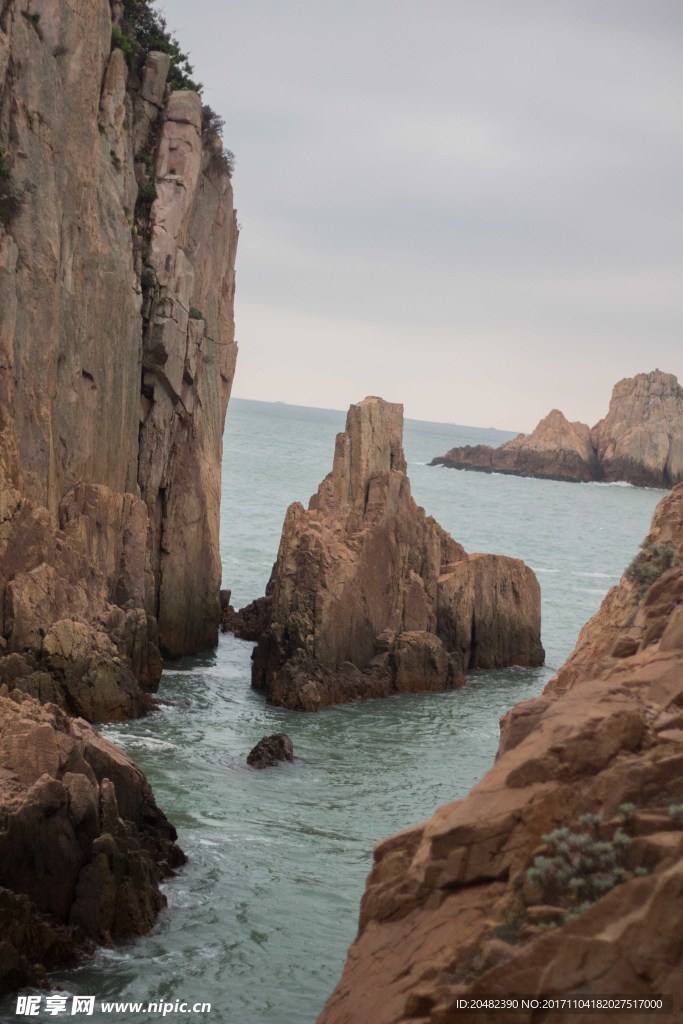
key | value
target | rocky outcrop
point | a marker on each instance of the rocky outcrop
(641, 438)
(75, 602)
(247, 623)
(270, 750)
(640, 441)
(83, 846)
(370, 596)
(562, 872)
(117, 355)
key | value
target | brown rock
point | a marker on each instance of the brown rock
(369, 596)
(270, 750)
(83, 846)
(249, 622)
(450, 910)
(640, 441)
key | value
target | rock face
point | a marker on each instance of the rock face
(369, 596)
(83, 846)
(640, 441)
(562, 872)
(117, 355)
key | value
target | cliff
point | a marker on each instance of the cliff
(562, 872)
(640, 441)
(370, 596)
(117, 353)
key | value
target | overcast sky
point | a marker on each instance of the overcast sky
(473, 207)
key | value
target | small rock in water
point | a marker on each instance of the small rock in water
(271, 749)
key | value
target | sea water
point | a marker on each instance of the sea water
(259, 921)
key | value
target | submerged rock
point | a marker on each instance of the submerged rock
(83, 846)
(370, 596)
(586, 786)
(640, 441)
(270, 750)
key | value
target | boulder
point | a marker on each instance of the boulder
(640, 441)
(561, 873)
(370, 596)
(270, 750)
(83, 846)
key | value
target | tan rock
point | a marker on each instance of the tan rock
(641, 438)
(555, 450)
(370, 596)
(450, 910)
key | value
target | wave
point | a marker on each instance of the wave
(606, 483)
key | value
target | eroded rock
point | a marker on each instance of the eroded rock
(640, 441)
(370, 596)
(83, 846)
(74, 602)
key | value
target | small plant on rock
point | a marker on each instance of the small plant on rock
(11, 196)
(650, 563)
(126, 45)
(579, 866)
(148, 193)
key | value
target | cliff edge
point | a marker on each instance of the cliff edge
(640, 441)
(370, 596)
(117, 353)
(561, 874)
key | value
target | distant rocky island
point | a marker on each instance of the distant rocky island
(369, 596)
(640, 441)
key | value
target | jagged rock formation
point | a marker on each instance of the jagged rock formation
(370, 596)
(83, 846)
(640, 441)
(117, 355)
(480, 899)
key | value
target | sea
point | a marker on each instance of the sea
(259, 921)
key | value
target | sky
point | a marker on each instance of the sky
(473, 207)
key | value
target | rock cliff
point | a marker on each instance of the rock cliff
(370, 596)
(562, 872)
(640, 441)
(117, 352)
(83, 846)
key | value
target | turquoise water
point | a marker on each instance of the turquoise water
(259, 922)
